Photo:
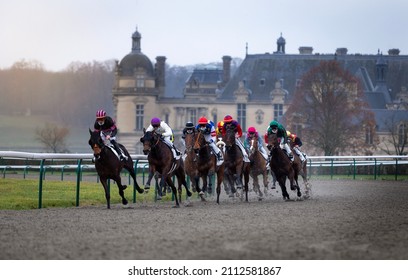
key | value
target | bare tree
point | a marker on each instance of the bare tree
(397, 129)
(52, 137)
(330, 106)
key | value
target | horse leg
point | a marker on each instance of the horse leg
(104, 182)
(174, 190)
(281, 181)
(133, 175)
(149, 179)
(121, 187)
(181, 177)
(199, 190)
(220, 179)
(210, 179)
(246, 171)
(265, 181)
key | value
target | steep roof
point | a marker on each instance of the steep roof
(260, 72)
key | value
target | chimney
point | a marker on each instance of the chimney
(226, 69)
(341, 51)
(305, 50)
(160, 72)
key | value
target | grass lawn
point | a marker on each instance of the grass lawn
(19, 194)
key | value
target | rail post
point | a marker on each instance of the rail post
(40, 183)
(375, 169)
(354, 168)
(78, 181)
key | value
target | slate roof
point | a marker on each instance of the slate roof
(289, 68)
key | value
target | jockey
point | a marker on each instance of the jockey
(207, 128)
(188, 129)
(166, 134)
(249, 136)
(296, 144)
(108, 130)
(218, 130)
(238, 133)
(280, 131)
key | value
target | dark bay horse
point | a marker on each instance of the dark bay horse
(108, 166)
(235, 167)
(160, 159)
(282, 167)
(257, 167)
(200, 162)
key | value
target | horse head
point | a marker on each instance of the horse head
(229, 140)
(199, 141)
(149, 140)
(273, 141)
(96, 142)
(189, 138)
(253, 144)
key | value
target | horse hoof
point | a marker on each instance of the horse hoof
(124, 187)
(124, 202)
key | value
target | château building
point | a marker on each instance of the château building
(260, 90)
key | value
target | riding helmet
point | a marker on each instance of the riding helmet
(251, 129)
(203, 120)
(227, 119)
(155, 121)
(189, 125)
(100, 114)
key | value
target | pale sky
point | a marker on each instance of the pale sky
(58, 32)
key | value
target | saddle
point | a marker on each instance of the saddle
(110, 146)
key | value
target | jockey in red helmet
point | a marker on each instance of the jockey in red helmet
(108, 130)
(164, 130)
(207, 128)
(228, 120)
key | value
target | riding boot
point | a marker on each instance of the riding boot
(220, 159)
(217, 152)
(268, 161)
(177, 151)
(289, 152)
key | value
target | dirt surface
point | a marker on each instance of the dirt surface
(343, 220)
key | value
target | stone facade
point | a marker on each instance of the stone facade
(259, 91)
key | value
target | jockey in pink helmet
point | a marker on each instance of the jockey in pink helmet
(108, 130)
(251, 134)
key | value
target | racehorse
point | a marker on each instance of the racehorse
(282, 167)
(257, 167)
(201, 163)
(235, 167)
(160, 159)
(108, 165)
(301, 169)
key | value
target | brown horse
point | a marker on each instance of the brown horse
(201, 163)
(282, 167)
(108, 165)
(257, 167)
(235, 167)
(301, 169)
(160, 160)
